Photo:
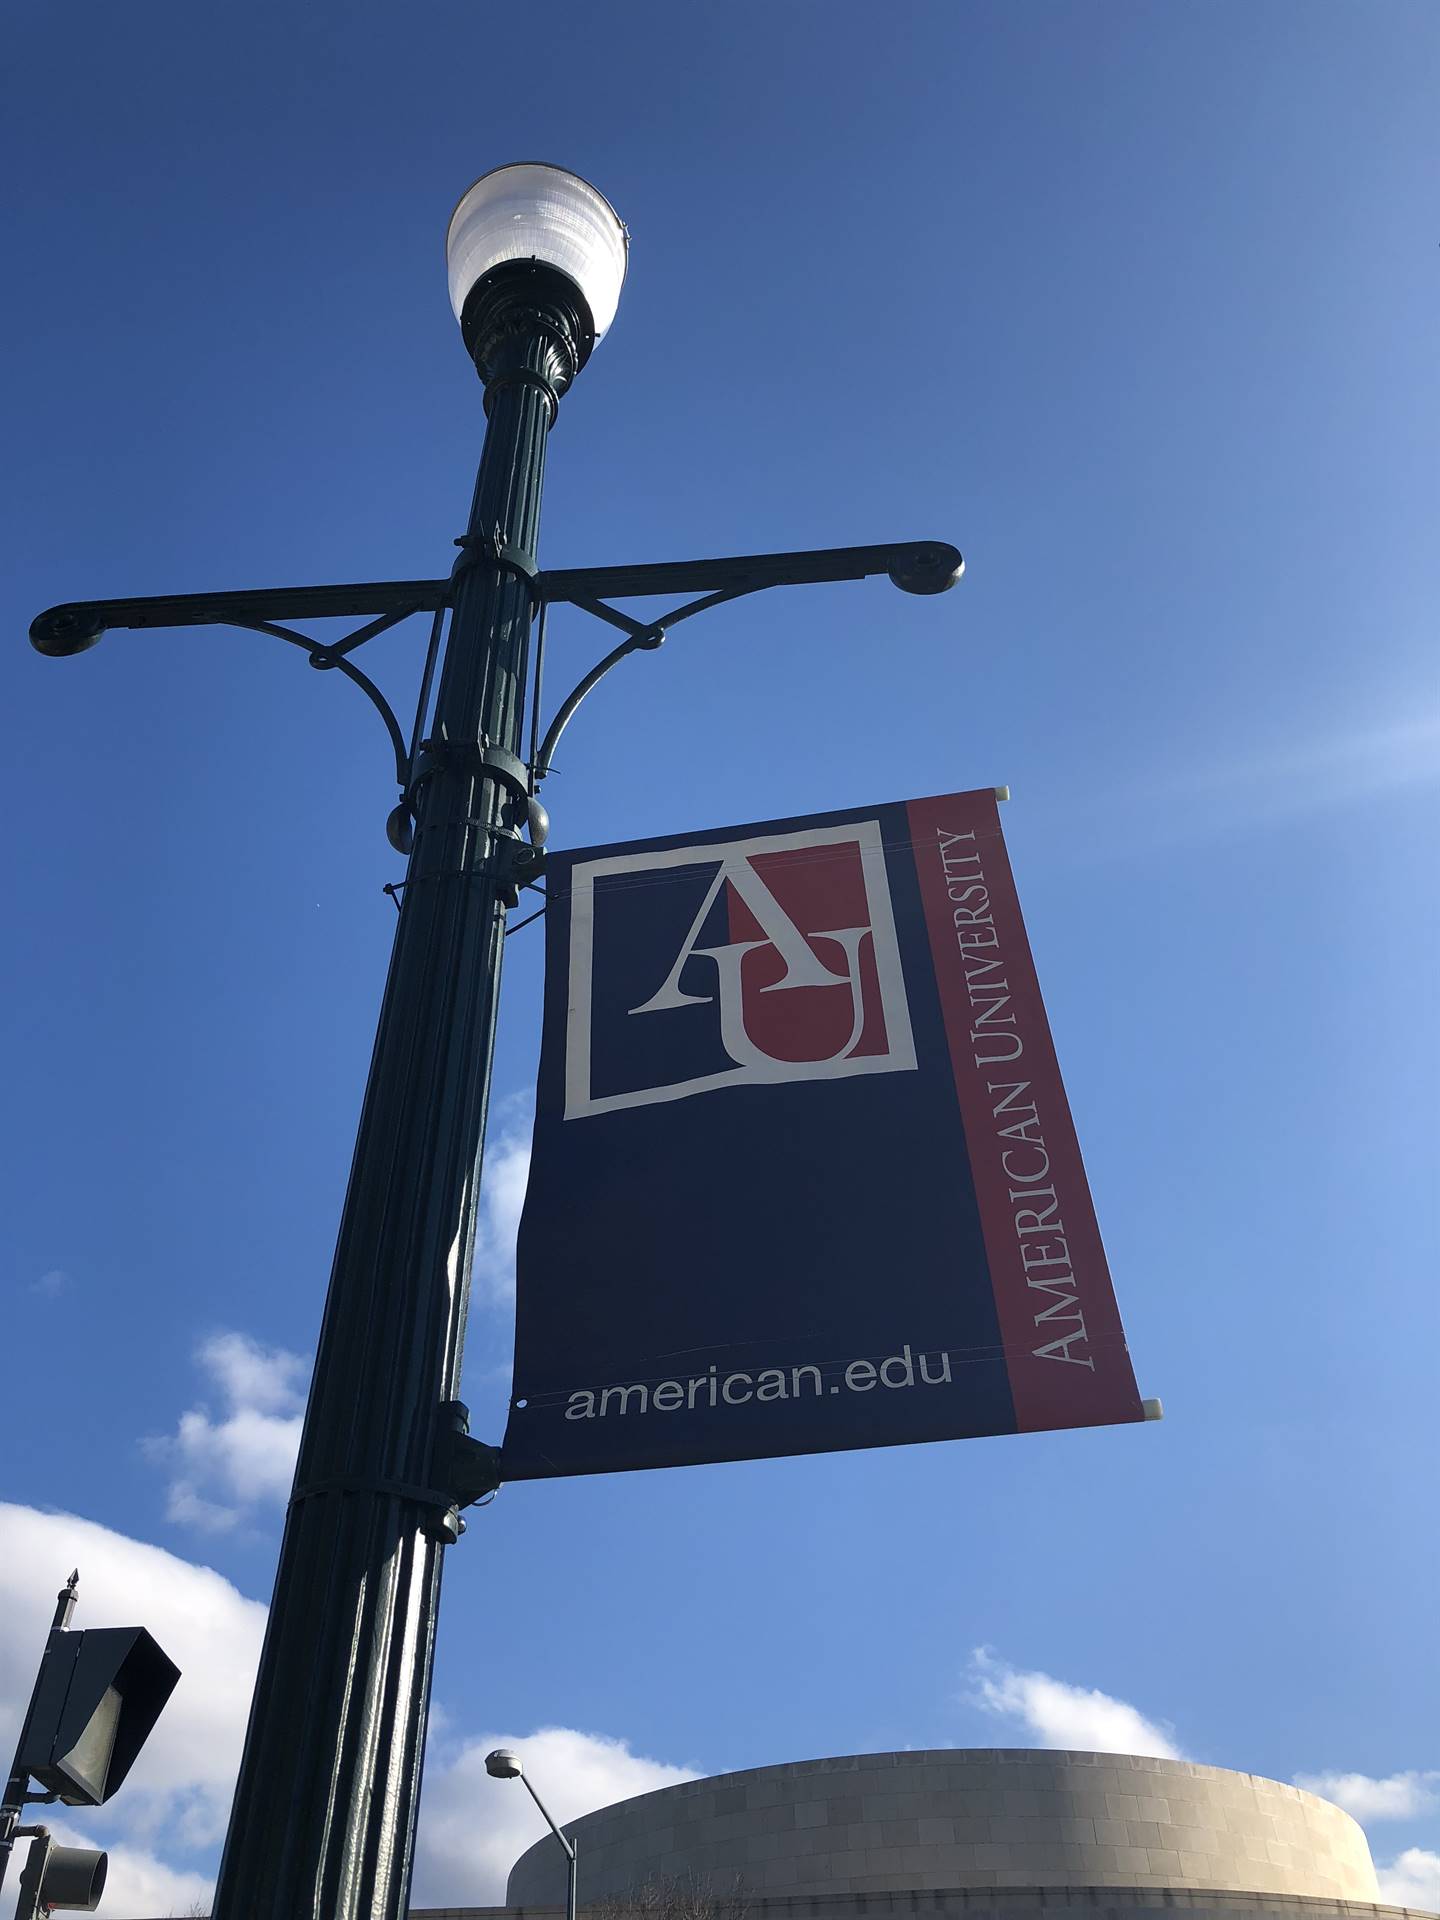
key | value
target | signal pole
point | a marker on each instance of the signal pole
(12, 1807)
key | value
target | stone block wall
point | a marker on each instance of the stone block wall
(893, 1822)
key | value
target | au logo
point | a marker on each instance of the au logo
(752, 962)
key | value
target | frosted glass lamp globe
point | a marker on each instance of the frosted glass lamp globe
(531, 211)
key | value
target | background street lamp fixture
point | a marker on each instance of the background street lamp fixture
(504, 1765)
(323, 1821)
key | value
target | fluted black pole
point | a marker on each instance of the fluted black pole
(323, 1823)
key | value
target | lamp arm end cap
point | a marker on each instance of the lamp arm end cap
(927, 566)
(61, 631)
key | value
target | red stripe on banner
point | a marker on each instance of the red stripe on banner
(1064, 1345)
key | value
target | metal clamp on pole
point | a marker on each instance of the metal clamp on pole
(508, 768)
(467, 1467)
(519, 864)
(470, 756)
(493, 548)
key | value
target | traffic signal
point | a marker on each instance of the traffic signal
(98, 1694)
(72, 1877)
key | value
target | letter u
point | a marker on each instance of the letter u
(1017, 1047)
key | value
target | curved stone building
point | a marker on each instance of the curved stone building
(974, 1833)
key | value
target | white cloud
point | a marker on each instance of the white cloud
(52, 1283)
(1057, 1714)
(222, 1467)
(182, 1782)
(473, 1829)
(268, 1379)
(502, 1195)
(1401, 1796)
(1413, 1880)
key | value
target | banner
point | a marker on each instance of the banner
(804, 1174)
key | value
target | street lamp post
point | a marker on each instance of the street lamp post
(323, 1821)
(505, 1765)
(324, 1814)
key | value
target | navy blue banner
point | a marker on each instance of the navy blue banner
(804, 1176)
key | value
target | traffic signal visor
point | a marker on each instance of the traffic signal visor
(99, 1694)
(60, 1877)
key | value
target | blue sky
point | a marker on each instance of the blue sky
(1137, 306)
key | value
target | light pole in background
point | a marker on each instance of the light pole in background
(505, 1765)
(323, 1822)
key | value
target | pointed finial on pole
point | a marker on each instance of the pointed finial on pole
(65, 1603)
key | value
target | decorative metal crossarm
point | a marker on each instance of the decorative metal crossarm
(925, 567)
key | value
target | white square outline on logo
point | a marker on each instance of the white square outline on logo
(863, 834)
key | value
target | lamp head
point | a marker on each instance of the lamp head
(503, 1765)
(535, 232)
